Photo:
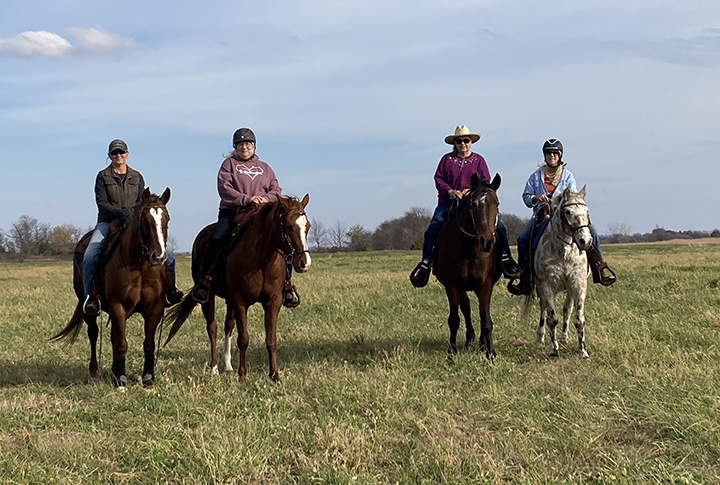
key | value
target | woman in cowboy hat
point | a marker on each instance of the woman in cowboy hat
(549, 180)
(452, 180)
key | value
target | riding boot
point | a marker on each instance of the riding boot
(523, 286)
(92, 306)
(598, 266)
(509, 267)
(421, 274)
(201, 292)
(174, 295)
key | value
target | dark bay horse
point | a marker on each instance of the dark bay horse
(253, 271)
(466, 260)
(134, 282)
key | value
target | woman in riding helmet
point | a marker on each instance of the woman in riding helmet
(244, 182)
(452, 180)
(548, 181)
(117, 189)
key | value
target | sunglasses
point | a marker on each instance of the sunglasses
(117, 152)
(460, 141)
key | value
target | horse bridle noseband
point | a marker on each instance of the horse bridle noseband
(472, 218)
(564, 220)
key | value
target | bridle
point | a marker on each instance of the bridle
(144, 249)
(288, 256)
(564, 221)
(475, 233)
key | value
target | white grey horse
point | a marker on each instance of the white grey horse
(561, 265)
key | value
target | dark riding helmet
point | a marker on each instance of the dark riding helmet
(243, 134)
(553, 145)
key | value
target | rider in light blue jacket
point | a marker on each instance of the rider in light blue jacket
(545, 183)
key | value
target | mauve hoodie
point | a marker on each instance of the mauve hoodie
(240, 180)
(454, 172)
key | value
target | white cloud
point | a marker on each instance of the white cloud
(88, 42)
(31, 44)
(95, 41)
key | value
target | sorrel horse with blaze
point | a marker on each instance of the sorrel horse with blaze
(134, 282)
(466, 260)
(252, 271)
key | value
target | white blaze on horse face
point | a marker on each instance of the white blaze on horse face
(157, 214)
(302, 223)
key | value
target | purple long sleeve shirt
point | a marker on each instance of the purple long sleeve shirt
(240, 180)
(454, 172)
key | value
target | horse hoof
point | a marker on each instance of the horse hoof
(148, 380)
(583, 354)
(214, 371)
(241, 380)
(275, 377)
(121, 383)
(564, 338)
(553, 355)
(121, 389)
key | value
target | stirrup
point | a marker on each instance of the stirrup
(510, 268)
(290, 298)
(89, 307)
(173, 297)
(421, 274)
(600, 277)
(201, 292)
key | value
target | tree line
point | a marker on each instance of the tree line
(29, 237)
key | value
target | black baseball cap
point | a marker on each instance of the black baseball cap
(117, 145)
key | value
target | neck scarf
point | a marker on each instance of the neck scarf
(552, 174)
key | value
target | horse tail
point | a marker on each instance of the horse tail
(526, 306)
(72, 329)
(178, 314)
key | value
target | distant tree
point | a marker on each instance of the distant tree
(338, 235)
(514, 225)
(3, 242)
(318, 234)
(172, 244)
(405, 232)
(29, 236)
(359, 239)
(63, 238)
(619, 229)
(715, 233)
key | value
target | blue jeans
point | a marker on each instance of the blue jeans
(436, 224)
(97, 241)
(523, 240)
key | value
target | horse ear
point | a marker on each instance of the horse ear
(165, 195)
(146, 193)
(474, 181)
(305, 200)
(582, 191)
(566, 193)
(495, 182)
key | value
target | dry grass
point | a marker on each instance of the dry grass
(367, 394)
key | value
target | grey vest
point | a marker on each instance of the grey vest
(121, 194)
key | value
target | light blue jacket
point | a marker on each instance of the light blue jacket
(536, 186)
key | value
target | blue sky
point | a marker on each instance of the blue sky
(350, 102)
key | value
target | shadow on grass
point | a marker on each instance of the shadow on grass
(51, 373)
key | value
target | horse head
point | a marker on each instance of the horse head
(295, 227)
(571, 209)
(484, 203)
(152, 217)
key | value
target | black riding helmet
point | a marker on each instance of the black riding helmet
(553, 145)
(243, 134)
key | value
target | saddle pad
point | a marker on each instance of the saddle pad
(538, 235)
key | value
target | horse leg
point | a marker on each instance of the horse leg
(540, 332)
(453, 318)
(208, 309)
(567, 312)
(552, 320)
(119, 345)
(227, 350)
(486, 323)
(465, 309)
(92, 332)
(580, 323)
(242, 340)
(272, 309)
(151, 323)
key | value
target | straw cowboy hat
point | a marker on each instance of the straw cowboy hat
(462, 130)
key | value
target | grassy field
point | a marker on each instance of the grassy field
(367, 394)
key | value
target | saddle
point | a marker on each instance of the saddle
(542, 219)
(116, 229)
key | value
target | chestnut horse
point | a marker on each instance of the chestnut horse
(134, 282)
(466, 260)
(252, 271)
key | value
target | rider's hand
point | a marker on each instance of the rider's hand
(537, 199)
(258, 199)
(126, 214)
(455, 194)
